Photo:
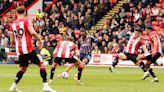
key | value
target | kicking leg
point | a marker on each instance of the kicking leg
(116, 60)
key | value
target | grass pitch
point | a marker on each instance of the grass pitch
(95, 79)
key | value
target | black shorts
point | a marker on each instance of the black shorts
(61, 61)
(153, 59)
(132, 57)
(32, 57)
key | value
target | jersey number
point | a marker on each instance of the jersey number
(19, 33)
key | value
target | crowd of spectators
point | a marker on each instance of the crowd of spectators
(5, 4)
(116, 30)
(66, 19)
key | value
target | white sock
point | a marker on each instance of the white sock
(14, 84)
(146, 73)
(155, 78)
(45, 84)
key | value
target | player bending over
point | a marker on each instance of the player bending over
(68, 51)
(85, 45)
(131, 52)
(21, 34)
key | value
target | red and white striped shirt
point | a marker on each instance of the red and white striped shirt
(152, 35)
(65, 49)
(23, 38)
(133, 44)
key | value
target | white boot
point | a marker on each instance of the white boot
(155, 80)
(13, 88)
(47, 88)
(146, 74)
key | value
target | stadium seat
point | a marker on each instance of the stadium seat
(158, 18)
(114, 1)
(155, 23)
(158, 5)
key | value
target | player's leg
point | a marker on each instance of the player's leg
(23, 62)
(52, 72)
(142, 65)
(69, 67)
(57, 61)
(153, 60)
(37, 59)
(116, 60)
(85, 61)
(150, 71)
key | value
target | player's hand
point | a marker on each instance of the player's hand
(154, 53)
(40, 44)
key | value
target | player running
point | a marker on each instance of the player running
(21, 34)
(68, 51)
(154, 55)
(131, 52)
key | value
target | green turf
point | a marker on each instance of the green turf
(95, 79)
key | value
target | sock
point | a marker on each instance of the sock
(155, 78)
(146, 73)
(43, 74)
(115, 62)
(52, 73)
(79, 73)
(151, 72)
(19, 76)
(142, 66)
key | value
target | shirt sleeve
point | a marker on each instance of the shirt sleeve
(29, 23)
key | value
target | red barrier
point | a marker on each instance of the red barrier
(48, 7)
(32, 4)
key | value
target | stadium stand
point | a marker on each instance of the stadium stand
(67, 17)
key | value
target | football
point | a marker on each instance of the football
(65, 75)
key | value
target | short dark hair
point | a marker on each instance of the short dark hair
(20, 10)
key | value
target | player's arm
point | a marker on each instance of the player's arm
(12, 40)
(34, 34)
(155, 42)
(144, 46)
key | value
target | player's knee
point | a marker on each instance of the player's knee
(23, 68)
(122, 56)
(85, 61)
(54, 65)
(42, 65)
(82, 65)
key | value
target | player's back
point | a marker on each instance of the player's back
(154, 35)
(133, 44)
(65, 49)
(23, 38)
